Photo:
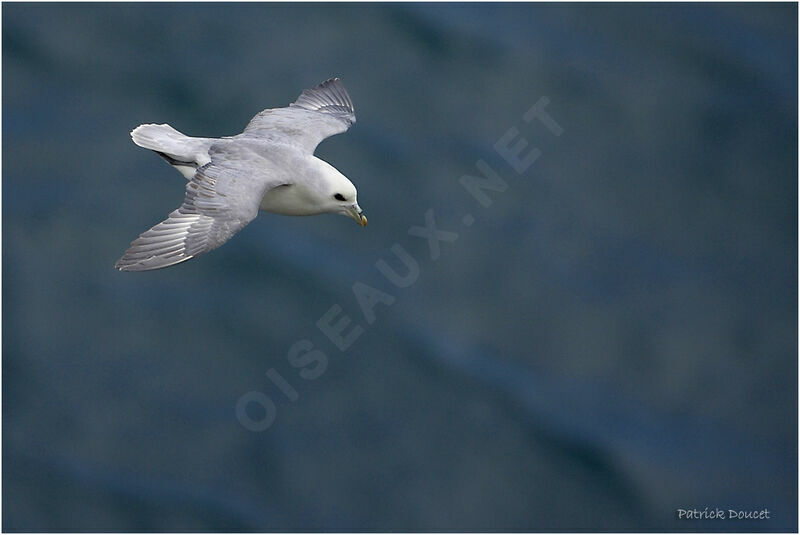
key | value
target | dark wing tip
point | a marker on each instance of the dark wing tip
(328, 97)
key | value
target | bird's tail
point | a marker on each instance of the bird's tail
(183, 152)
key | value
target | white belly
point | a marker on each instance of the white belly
(289, 200)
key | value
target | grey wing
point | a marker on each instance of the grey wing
(318, 113)
(220, 200)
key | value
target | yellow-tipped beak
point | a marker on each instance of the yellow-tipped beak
(356, 213)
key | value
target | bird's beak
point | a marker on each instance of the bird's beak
(356, 213)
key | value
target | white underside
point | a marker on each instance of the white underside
(288, 200)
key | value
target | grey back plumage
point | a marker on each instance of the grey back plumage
(318, 113)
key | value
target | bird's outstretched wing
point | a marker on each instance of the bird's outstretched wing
(220, 200)
(318, 113)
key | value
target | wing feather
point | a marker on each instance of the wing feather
(318, 113)
(220, 200)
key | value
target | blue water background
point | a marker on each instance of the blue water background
(613, 339)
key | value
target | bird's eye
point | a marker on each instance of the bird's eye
(339, 197)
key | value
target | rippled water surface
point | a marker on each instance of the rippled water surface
(612, 339)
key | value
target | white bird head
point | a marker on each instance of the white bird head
(339, 195)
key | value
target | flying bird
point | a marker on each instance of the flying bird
(270, 166)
